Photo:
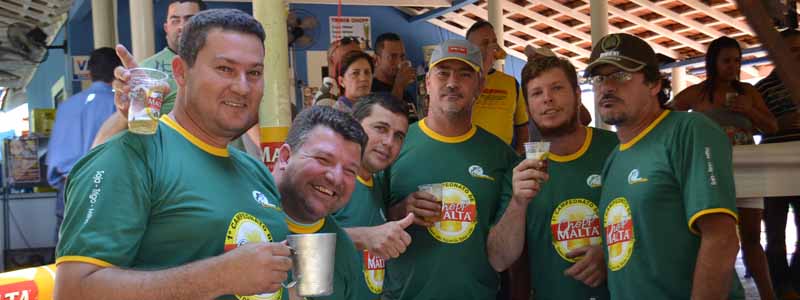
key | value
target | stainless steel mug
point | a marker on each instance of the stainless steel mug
(312, 259)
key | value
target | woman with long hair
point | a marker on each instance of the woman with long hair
(738, 108)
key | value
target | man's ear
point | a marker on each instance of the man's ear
(179, 69)
(655, 87)
(284, 154)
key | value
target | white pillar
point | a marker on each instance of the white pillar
(495, 9)
(142, 26)
(103, 23)
(678, 79)
(598, 11)
(274, 113)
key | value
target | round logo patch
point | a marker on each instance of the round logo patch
(575, 224)
(618, 222)
(374, 271)
(459, 214)
(244, 229)
(611, 42)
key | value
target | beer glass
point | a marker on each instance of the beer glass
(148, 89)
(434, 189)
(537, 150)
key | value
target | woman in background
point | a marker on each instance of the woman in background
(738, 108)
(355, 79)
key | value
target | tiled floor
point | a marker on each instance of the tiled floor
(791, 238)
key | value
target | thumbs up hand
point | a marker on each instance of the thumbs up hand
(388, 240)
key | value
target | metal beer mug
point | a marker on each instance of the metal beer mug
(312, 263)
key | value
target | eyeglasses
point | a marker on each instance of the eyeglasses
(618, 77)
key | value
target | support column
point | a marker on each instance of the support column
(598, 11)
(495, 10)
(678, 80)
(103, 21)
(142, 32)
(274, 112)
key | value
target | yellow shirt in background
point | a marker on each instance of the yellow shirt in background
(500, 106)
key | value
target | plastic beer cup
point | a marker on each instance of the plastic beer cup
(436, 190)
(148, 89)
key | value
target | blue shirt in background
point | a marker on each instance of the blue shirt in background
(77, 121)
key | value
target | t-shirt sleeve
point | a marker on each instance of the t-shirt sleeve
(704, 170)
(107, 207)
(521, 111)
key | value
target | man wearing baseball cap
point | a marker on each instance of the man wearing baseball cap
(448, 259)
(668, 200)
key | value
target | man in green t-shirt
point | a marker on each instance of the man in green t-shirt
(179, 214)
(562, 223)
(384, 119)
(316, 173)
(448, 256)
(668, 200)
(178, 14)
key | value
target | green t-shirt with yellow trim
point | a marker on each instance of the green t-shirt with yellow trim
(449, 260)
(654, 189)
(348, 279)
(500, 106)
(152, 202)
(366, 209)
(162, 61)
(564, 216)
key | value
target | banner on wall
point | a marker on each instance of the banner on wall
(80, 67)
(355, 27)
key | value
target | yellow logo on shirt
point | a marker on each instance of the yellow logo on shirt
(245, 228)
(575, 224)
(618, 222)
(374, 271)
(459, 214)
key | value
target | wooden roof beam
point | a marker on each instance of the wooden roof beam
(586, 19)
(655, 28)
(480, 12)
(716, 14)
(678, 18)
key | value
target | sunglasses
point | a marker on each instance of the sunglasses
(348, 40)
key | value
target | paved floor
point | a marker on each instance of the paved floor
(791, 238)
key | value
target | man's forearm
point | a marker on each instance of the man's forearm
(397, 91)
(713, 271)
(359, 236)
(116, 123)
(506, 238)
(198, 280)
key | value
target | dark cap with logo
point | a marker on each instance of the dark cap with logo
(625, 51)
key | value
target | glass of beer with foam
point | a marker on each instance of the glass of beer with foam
(434, 189)
(148, 89)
